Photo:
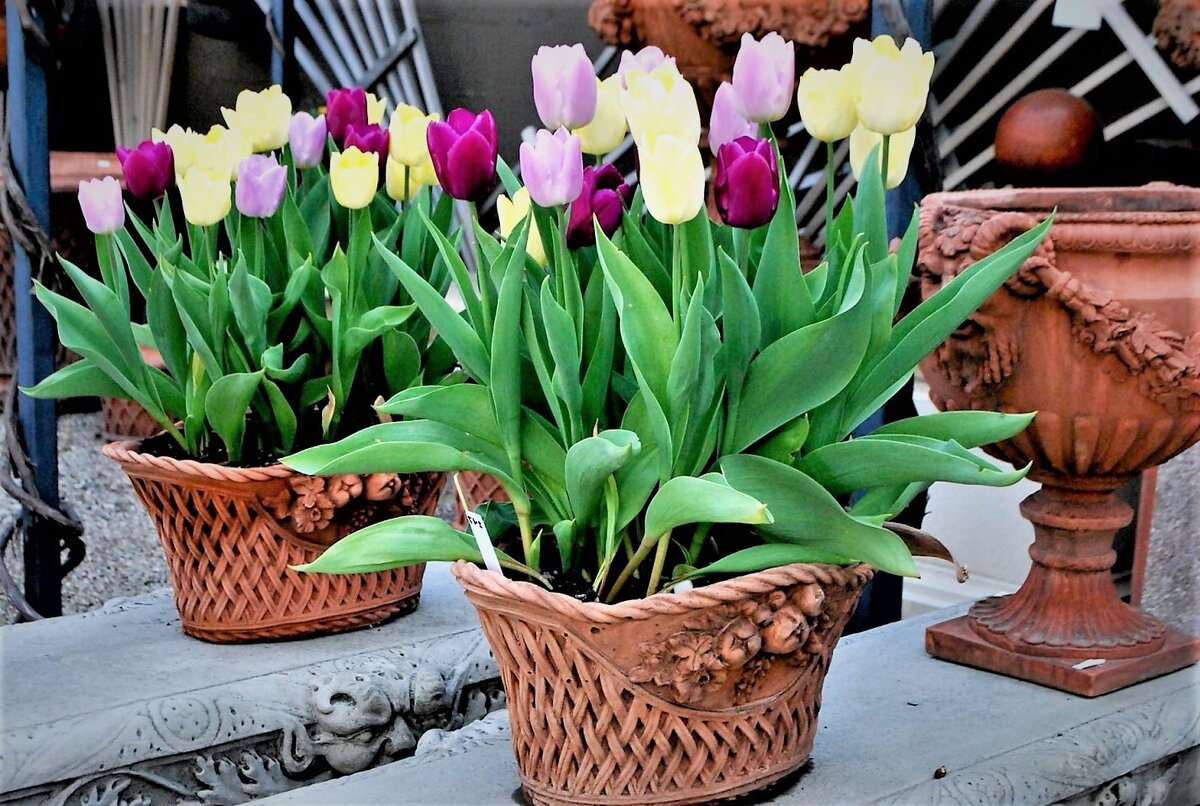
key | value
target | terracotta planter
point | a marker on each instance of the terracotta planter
(230, 534)
(478, 489)
(677, 698)
(1099, 332)
(125, 419)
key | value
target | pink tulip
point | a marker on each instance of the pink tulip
(100, 201)
(564, 86)
(260, 185)
(368, 138)
(727, 123)
(602, 199)
(552, 167)
(763, 75)
(344, 108)
(306, 136)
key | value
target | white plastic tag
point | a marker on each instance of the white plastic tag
(1077, 14)
(484, 541)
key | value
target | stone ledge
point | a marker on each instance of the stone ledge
(896, 727)
(118, 704)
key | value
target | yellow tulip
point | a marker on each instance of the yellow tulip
(900, 147)
(375, 109)
(672, 179)
(660, 102)
(220, 152)
(607, 128)
(183, 143)
(261, 117)
(893, 83)
(354, 176)
(206, 197)
(406, 135)
(419, 176)
(511, 212)
(827, 100)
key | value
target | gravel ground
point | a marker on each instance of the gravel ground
(123, 555)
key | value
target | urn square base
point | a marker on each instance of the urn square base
(955, 641)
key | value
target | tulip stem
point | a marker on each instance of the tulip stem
(883, 163)
(404, 203)
(828, 196)
(677, 278)
(660, 558)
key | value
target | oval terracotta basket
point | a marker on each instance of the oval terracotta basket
(230, 534)
(677, 698)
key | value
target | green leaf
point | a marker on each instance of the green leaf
(688, 499)
(768, 555)
(77, 379)
(462, 278)
(170, 337)
(870, 217)
(250, 299)
(742, 328)
(564, 352)
(970, 429)
(226, 404)
(373, 324)
(589, 464)
(644, 256)
(505, 377)
(394, 544)
(784, 302)
(466, 406)
(281, 410)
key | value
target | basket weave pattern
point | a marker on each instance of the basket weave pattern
(229, 539)
(677, 698)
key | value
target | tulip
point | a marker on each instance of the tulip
(892, 83)
(376, 107)
(406, 135)
(100, 201)
(306, 136)
(463, 151)
(183, 143)
(646, 60)
(206, 197)
(220, 152)
(149, 168)
(343, 108)
(726, 123)
(354, 175)
(603, 198)
(827, 100)
(900, 146)
(746, 183)
(552, 167)
(261, 117)
(661, 102)
(260, 185)
(607, 128)
(763, 73)
(672, 179)
(511, 212)
(564, 86)
(402, 188)
(373, 139)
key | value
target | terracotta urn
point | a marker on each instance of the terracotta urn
(1098, 332)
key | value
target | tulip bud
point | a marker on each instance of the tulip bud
(206, 197)
(646, 60)
(826, 99)
(900, 147)
(149, 168)
(607, 129)
(183, 143)
(661, 102)
(354, 175)
(603, 198)
(261, 117)
(463, 151)
(369, 138)
(672, 179)
(892, 83)
(406, 135)
(419, 176)
(564, 86)
(726, 123)
(345, 107)
(306, 136)
(376, 107)
(260, 185)
(763, 74)
(511, 212)
(746, 183)
(100, 201)
(552, 167)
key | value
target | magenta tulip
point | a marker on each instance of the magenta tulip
(747, 183)
(603, 198)
(727, 123)
(149, 168)
(344, 108)
(260, 185)
(100, 201)
(306, 136)
(764, 73)
(463, 151)
(564, 86)
(552, 167)
(645, 60)
(368, 138)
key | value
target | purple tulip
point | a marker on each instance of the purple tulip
(564, 86)
(260, 185)
(306, 136)
(463, 151)
(645, 60)
(763, 76)
(344, 108)
(368, 138)
(552, 167)
(604, 196)
(100, 200)
(727, 123)
(149, 168)
(747, 183)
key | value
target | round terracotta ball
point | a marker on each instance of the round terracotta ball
(1048, 137)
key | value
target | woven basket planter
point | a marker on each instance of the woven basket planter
(230, 534)
(677, 698)
(478, 488)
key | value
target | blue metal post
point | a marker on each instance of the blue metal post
(283, 66)
(29, 144)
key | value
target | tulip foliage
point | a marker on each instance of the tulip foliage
(673, 397)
